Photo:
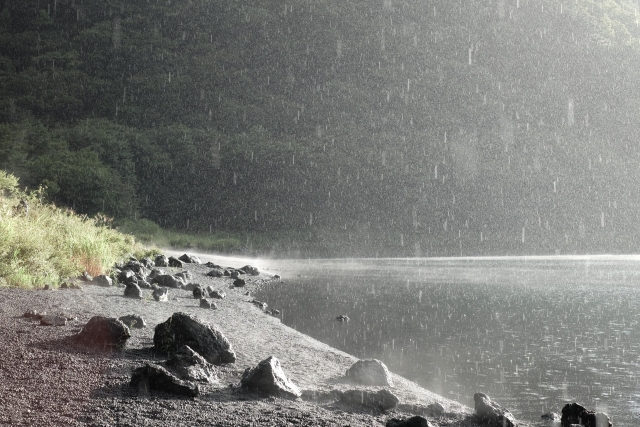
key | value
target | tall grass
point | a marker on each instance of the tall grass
(48, 244)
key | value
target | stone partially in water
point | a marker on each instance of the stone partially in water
(370, 372)
(492, 413)
(574, 413)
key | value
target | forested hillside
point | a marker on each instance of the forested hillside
(430, 127)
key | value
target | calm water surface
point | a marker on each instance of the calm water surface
(533, 333)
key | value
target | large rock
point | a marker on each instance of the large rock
(168, 281)
(416, 421)
(175, 262)
(269, 378)
(133, 291)
(239, 283)
(102, 280)
(190, 259)
(492, 413)
(190, 366)
(381, 400)
(370, 372)
(184, 329)
(162, 261)
(573, 413)
(155, 377)
(104, 333)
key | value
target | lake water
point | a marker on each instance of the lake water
(532, 333)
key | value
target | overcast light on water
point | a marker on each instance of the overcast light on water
(534, 333)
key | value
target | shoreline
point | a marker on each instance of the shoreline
(104, 397)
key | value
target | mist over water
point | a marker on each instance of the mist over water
(534, 333)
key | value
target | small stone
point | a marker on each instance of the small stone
(33, 314)
(53, 321)
(161, 294)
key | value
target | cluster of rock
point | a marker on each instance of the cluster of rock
(573, 414)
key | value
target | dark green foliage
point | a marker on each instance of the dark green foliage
(406, 126)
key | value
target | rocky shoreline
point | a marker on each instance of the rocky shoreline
(49, 378)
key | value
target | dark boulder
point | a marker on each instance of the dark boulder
(261, 305)
(184, 329)
(239, 283)
(205, 303)
(199, 292)
(213, 293)
(381, 400)
(155, 377)
(175, 262)
(104, 333)
(168, 281)
(190, 259)
(185, 276)
(492, 413)
(34, 314)
(133, 291)
(216, 272)
(133, 321)
(212, 265)
(190, 366)
(161, 294)
(269, 378)
(155, 273)
(370, 372)
(147, 262)
(127, 277)
(235, 274)
(143, 284)
(102, 280)
(416, 421)
(574, 413)
(252, 271)
(53, 320)
(162, 261)
(342, 318)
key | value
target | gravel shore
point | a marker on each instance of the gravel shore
(46, 379)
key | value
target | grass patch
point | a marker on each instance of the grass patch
(43, 244)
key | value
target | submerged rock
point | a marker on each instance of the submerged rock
(492, 413)
(268, 377)
(370, 372)
(155, 377)
(184, 329)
